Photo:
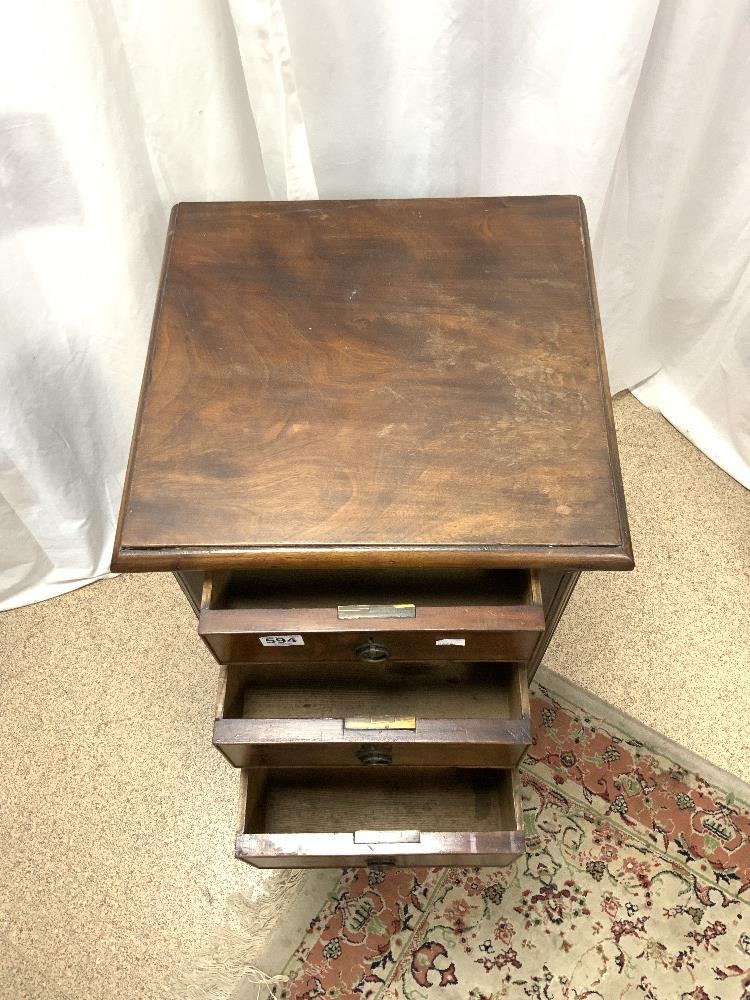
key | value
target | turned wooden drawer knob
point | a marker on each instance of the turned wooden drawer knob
(374, 755)
(372, 652)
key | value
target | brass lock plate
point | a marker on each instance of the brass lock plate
(347, 611)
(393, 722)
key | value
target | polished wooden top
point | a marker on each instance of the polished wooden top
(402, 381)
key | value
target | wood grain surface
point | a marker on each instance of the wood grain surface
(421, 380)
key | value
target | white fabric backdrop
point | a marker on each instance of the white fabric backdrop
(113, 110)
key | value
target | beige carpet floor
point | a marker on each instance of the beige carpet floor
(117, 815)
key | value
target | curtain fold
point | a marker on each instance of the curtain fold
(641, 108)
(112, 111)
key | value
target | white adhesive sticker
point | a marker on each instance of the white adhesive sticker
(282, 640)
(450, 642)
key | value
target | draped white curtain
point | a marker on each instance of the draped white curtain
(112, 110)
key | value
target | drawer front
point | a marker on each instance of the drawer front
(340, 851)
(371, 646)
(303, 819)
(435, 743)
(341, 715)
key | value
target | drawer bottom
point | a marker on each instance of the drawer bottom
(333, 817)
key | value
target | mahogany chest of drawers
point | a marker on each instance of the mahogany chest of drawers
(375, 445)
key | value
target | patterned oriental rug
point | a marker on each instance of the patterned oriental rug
(635, 885)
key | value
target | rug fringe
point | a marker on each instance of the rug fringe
(227, 969)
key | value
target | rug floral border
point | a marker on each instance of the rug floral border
(635, 880)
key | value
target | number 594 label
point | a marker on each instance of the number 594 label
(282, 640)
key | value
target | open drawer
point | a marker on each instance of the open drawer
(329, 818)
(273, 616)
(463, 714)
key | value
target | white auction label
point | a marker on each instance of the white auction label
(282, 640)
(450, 642)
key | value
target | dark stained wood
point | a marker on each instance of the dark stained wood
(606, 397)
(235, 640)
(365, 585)
(463, 714)
(191, 585)
(434, 816)
(494, 615)
(414, 382)
(322, 557)
(280, 743)
(259, 621)
(558, 589)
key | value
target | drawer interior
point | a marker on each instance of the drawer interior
(312, 800)
(336, 691)
(237, 590)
